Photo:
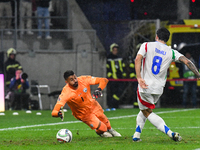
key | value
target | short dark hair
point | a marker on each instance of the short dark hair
(67, 74)
(163, 34)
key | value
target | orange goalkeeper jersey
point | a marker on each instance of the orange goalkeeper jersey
(80, 100)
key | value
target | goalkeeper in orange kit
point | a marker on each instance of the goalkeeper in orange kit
(76, 93)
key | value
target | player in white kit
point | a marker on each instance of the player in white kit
(151, 64)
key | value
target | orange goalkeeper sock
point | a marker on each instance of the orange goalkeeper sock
(101, 129)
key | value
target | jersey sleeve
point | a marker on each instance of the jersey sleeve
(97, 80)
(142, 50)
(176, 55)
(61, 101)
(102, 82)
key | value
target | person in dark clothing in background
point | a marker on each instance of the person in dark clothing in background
(26, 11)
(5, 8)
(43, 11)
(11, 65)
(18, 98)
(115, 70)
(189, 86)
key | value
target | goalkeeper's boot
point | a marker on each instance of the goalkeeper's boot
(176, 136)
(114, 133)
(106, 134)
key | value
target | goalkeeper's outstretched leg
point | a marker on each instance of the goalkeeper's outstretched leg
(101, 130)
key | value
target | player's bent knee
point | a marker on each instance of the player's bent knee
(146, 112)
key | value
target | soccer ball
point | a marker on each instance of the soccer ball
(64, 135)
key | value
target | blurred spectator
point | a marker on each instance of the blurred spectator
(133, 75)
(18, 98)
(50, 10)
(131, 68)
(115, 68)
(15, 12)
(34, 13)
(133, 85)
(26, 10)
(5, 8)
(11, 65)
(189, 86)
(43, 11)
(34, 7)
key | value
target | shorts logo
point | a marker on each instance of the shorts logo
(91, 125)
(59, 99)
(85, 90)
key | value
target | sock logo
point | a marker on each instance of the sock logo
(138, 129)
(166, 129)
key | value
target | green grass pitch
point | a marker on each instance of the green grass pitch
(28, 131)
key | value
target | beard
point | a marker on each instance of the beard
(75, 84)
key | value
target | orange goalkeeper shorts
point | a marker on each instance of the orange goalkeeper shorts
(93, 118)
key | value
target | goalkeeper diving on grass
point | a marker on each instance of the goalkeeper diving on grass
(76, 93)
(151, 64)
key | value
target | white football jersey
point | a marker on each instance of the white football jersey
(157, 58)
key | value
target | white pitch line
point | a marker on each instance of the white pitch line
(162, 112)
(69, 122)
(145, 128)
(39, 125)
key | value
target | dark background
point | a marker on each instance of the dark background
(110, 17)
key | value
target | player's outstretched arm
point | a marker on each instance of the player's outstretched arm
(102, 82)
(190, 65)
(56, 111)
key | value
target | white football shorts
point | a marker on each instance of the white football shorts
(149, 98)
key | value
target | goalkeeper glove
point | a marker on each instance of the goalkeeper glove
(60, 114)
(97, 93)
